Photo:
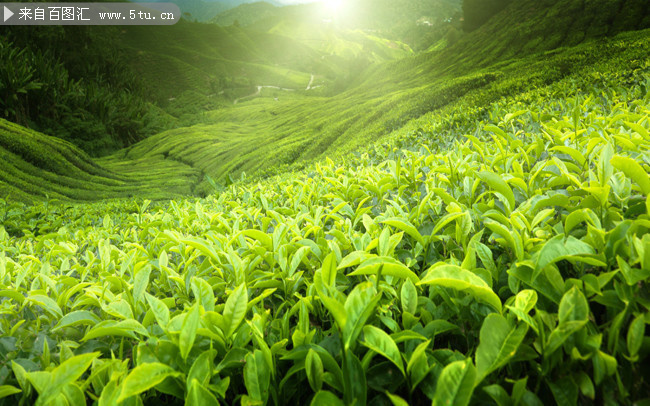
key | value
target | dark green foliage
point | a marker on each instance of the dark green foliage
(477, 12)
(74, 83)
(530, 26)
(17, 80)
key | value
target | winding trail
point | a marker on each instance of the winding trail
(260, 87)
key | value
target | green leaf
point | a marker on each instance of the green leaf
(235, 358)
(297, 258)
(446, 219)
(573, 306)
(409, 297)
(641, 130)
(110, 394)
(565, 392)
(396, 400)
(418, 366)
(498, 395)
(407, 227)
(40, 380)
(381, 343)
(336, 309)
(8, 390)
(633, 170)
(188, 331)
(604, 365)
(585, 384)
(496, 130)
(204, 293)
(73, 394)
(498, 344)
(76, 318)
(201, 370)
(456, 384)
(258, 235)
(328, 270)
(203, 247)
(257, 376)
(47, 304)
(140, 282)
(453, 276)
(159, 310)
(359, 306)
(144, 377)
(558, 248)
(497, 183)
(66, 373)
(526, 300)
(20, 374)
(72, 369)
(560, 334)
(510, 236)
(578, 216)
(572, 152)
(235, 310)
(635, 335)
(390, 266)
(124, 328)
(200, 395)
(355, 389)
(326, 398)
(314, 370)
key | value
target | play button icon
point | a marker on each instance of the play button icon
(8, 14)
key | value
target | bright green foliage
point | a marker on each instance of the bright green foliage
(501, 261)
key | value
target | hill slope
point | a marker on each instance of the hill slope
(282, 129)
(266, 133)
(500, 249)
(36, 166)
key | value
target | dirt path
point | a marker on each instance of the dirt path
(259, 90)
(311, 80)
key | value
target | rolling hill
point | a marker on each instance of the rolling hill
(37, 166)
(288, 128)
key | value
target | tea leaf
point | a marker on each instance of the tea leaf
(188, 331)
(498, 344)
(381, 343)
(456, 384)
(144, 377)
(453, 276)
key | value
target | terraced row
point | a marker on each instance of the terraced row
(37, 166)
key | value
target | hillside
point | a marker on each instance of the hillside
(37, 166)
(534, 26)
(279, 129)
(205, 10)
(225, 63)
(265, 133)
(417, 23)
(247, 14)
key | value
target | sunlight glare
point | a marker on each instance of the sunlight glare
(333, 6)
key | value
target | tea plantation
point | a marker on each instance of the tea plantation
(440, 234)
(501, 262)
